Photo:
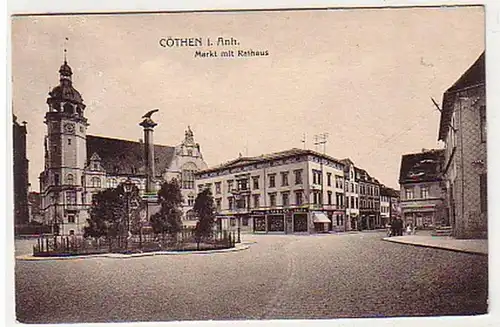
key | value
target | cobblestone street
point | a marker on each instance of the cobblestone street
(321, 276)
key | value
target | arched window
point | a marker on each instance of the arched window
(69, 179)
(96, 182)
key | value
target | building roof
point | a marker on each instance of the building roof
(243, 161)
(424, 166)
(388, 191)
(474, 76)
(123, 157)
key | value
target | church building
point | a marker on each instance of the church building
(78, 165)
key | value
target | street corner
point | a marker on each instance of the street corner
(476, 247)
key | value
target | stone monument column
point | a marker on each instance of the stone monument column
(148, 125)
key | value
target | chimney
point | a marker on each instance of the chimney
(148, 125)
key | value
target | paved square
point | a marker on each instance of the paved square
(281, 276)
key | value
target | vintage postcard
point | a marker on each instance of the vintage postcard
(250, 165)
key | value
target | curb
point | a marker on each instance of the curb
(435, 247)
(128, 256)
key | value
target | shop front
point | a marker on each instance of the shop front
(259, 223)
(321, 222)
(287, 221)
(423, 216)
(300, 223)
(275, 223)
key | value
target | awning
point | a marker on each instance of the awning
(319, 217)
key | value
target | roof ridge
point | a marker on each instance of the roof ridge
(124, 140)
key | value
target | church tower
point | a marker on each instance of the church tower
(63, 181)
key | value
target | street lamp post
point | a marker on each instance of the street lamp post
(127, 187)
(237, 197)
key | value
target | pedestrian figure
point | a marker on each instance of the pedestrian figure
(409, 229)
(393, 227)
(399, 227)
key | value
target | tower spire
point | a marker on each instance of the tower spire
(65, 49)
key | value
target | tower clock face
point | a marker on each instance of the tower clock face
(68, 127)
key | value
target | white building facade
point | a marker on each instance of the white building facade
(294, 191)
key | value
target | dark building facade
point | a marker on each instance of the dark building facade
(422, 193)
(369, 200)
(463, 130)
(21, 181)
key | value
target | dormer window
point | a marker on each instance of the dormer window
(190, 152)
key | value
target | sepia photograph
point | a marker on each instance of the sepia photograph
(249, 164)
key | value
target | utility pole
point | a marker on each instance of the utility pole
(304, 140)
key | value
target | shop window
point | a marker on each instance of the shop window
(259, 224)
(276, 223)
(300, 223)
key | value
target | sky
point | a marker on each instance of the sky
(364, 76)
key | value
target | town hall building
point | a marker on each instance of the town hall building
(78, 165)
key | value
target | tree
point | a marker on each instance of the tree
(108, 213)
(205, 211)
(168, 219)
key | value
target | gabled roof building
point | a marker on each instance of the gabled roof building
(463, 131)
(421, 194)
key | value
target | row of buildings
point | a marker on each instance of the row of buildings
(449, 186)
(290, 191)
(297, 191)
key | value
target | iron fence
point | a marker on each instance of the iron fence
(185, 240)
